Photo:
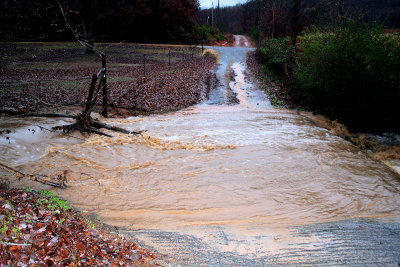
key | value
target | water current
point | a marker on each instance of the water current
(246, 165)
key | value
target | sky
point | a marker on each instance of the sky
(208, 3)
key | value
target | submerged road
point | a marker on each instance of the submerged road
(231, 181)
(357, 226)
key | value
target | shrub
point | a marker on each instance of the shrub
(352, 74)
(254, 34)
(276, 55)
(208, 33)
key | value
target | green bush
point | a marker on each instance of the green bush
(254, 34)
(274, 54)
(208, 33)
(352, 74)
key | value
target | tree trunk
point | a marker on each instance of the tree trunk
(273, 20)
(295, 27)
(88, 15)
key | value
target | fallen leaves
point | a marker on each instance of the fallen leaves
(165, 87)
(31, 233)
(185, 85)
(277, 93)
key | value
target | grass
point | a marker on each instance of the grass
(25, 53)
(69, 84)
(32, 56)
(52, 202)
(44, 76)
(229, 73)
(212, 52)
(47, 200)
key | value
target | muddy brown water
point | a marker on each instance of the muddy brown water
(247, 166)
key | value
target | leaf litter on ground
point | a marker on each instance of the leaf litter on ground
(61, 77)
(39, 229)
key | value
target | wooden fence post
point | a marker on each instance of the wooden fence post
(90, 96)
(144, 66)
(104, 81)
(202, 43)
(169, 59)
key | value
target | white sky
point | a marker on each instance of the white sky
(207, 3)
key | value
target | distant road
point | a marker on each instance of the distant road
(241, 41)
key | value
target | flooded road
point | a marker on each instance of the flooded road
(237, 177)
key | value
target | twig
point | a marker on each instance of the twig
(114, 128)
(52, 131)
(82, 42)
(50, 115)
(34, 177)
(43, 102)
(91, 130)
(14, 244)
(24, 114)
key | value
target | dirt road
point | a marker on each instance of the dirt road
(230, 181)
(241, 41)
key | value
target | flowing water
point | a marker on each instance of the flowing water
(246, 166)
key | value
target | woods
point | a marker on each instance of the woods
(279, 18)
(99, 20)
(352, 75)
(325, 55)
(348, 72)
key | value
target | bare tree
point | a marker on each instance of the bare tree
(86, 10)
(302, 13)
(88, 16)
(290, 17)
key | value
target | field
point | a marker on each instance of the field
(34, 76)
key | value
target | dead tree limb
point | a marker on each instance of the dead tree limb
(90, 96)
(91, 130)
(84, 121)
(48, 115)
(43, 179)
(100, 125)
(24, 114)
(104, 81)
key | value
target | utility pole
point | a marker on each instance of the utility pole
(218, 15)
(212, 14)
(258, 23)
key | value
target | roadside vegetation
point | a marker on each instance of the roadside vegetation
(353, 75)
(209, 35)
(349, 72)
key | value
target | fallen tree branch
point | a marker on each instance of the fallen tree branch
(67, 128)
(25, 114)
(100, 125)
(91, 130)
(83, 121)
(14, 244)
(49, 115)
(43, 179)
(50, 130)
